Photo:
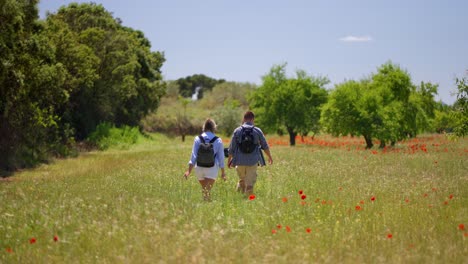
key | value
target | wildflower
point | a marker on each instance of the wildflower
(9, 250)
(425, 195)
(372, 198)
(301, 192)
(273, 231)
(361, 202)
(407, 200)
(451, 196)
(285, 199)
(308, 230)
(32, 240)
(446, 202)
(303, 197)
(358, 208)
(389, 235)
(278, 226)
(252, 197)
(461, 226)
(288, 229)
(56, 238)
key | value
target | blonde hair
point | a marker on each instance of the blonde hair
(209, 125)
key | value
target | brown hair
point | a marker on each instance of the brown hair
(209, 125)
(249, 116)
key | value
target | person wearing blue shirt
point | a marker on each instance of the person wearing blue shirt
(246, 163)
(207, 175)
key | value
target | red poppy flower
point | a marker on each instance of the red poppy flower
(288, 229)
(361, 202)
(461, 226)
(285, 199)
(389, 235)
(303, 197)
(32, 240)
(278, 226)
(445, 202)
(425, 195)
(301, 192)
(273, 231)
(358, 208)
(252, 197)
(56, 238)
(9, 250)
(451, 196)
(372, 198)
(308, 230)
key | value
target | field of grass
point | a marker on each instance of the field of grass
(403, 205)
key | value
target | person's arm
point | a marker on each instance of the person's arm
(265, 147)
(270, 159)
(188, 171)
(232, 149)
(220, 158)
(193, 157)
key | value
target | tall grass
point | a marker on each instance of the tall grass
(133, 206)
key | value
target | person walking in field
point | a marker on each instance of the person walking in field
(207, 158)
(245, 153)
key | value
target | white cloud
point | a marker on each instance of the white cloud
(356, 39)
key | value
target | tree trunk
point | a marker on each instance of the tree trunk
(393, 143)
(369, 144)
(183, 137)
(292, 136)
(382, 144)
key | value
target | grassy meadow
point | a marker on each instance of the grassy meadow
(407, 204)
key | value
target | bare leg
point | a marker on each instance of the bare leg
(206, 185)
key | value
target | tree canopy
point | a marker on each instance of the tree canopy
(290, 103)
(387, 107)
(61, 77)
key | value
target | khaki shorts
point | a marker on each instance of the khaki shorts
(247, 174)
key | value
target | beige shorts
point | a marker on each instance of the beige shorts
(210, 173)
(247, 174)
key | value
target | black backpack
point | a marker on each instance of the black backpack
(247, 144)
(206, 155)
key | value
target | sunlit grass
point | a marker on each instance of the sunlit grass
(134, 206)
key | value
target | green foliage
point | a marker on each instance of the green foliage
(387, 107)
(293, 103)
(61, 77)
(107, 135)
(189, 84)
(116, 78)
(460, 113)
(228, 116)
(32, 88)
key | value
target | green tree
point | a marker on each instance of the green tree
(228, 91)
(189, 85)
(119, 78)
(387, 107)
(293, 103)
(32, 88)
(460, 113)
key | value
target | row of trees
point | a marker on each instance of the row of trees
(387, 106)
(62, 76)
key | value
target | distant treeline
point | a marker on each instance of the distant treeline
(62, 76)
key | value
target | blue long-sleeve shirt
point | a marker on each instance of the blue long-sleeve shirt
(218, 148)
(247, 159)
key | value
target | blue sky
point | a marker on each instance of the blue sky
(340, 39)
